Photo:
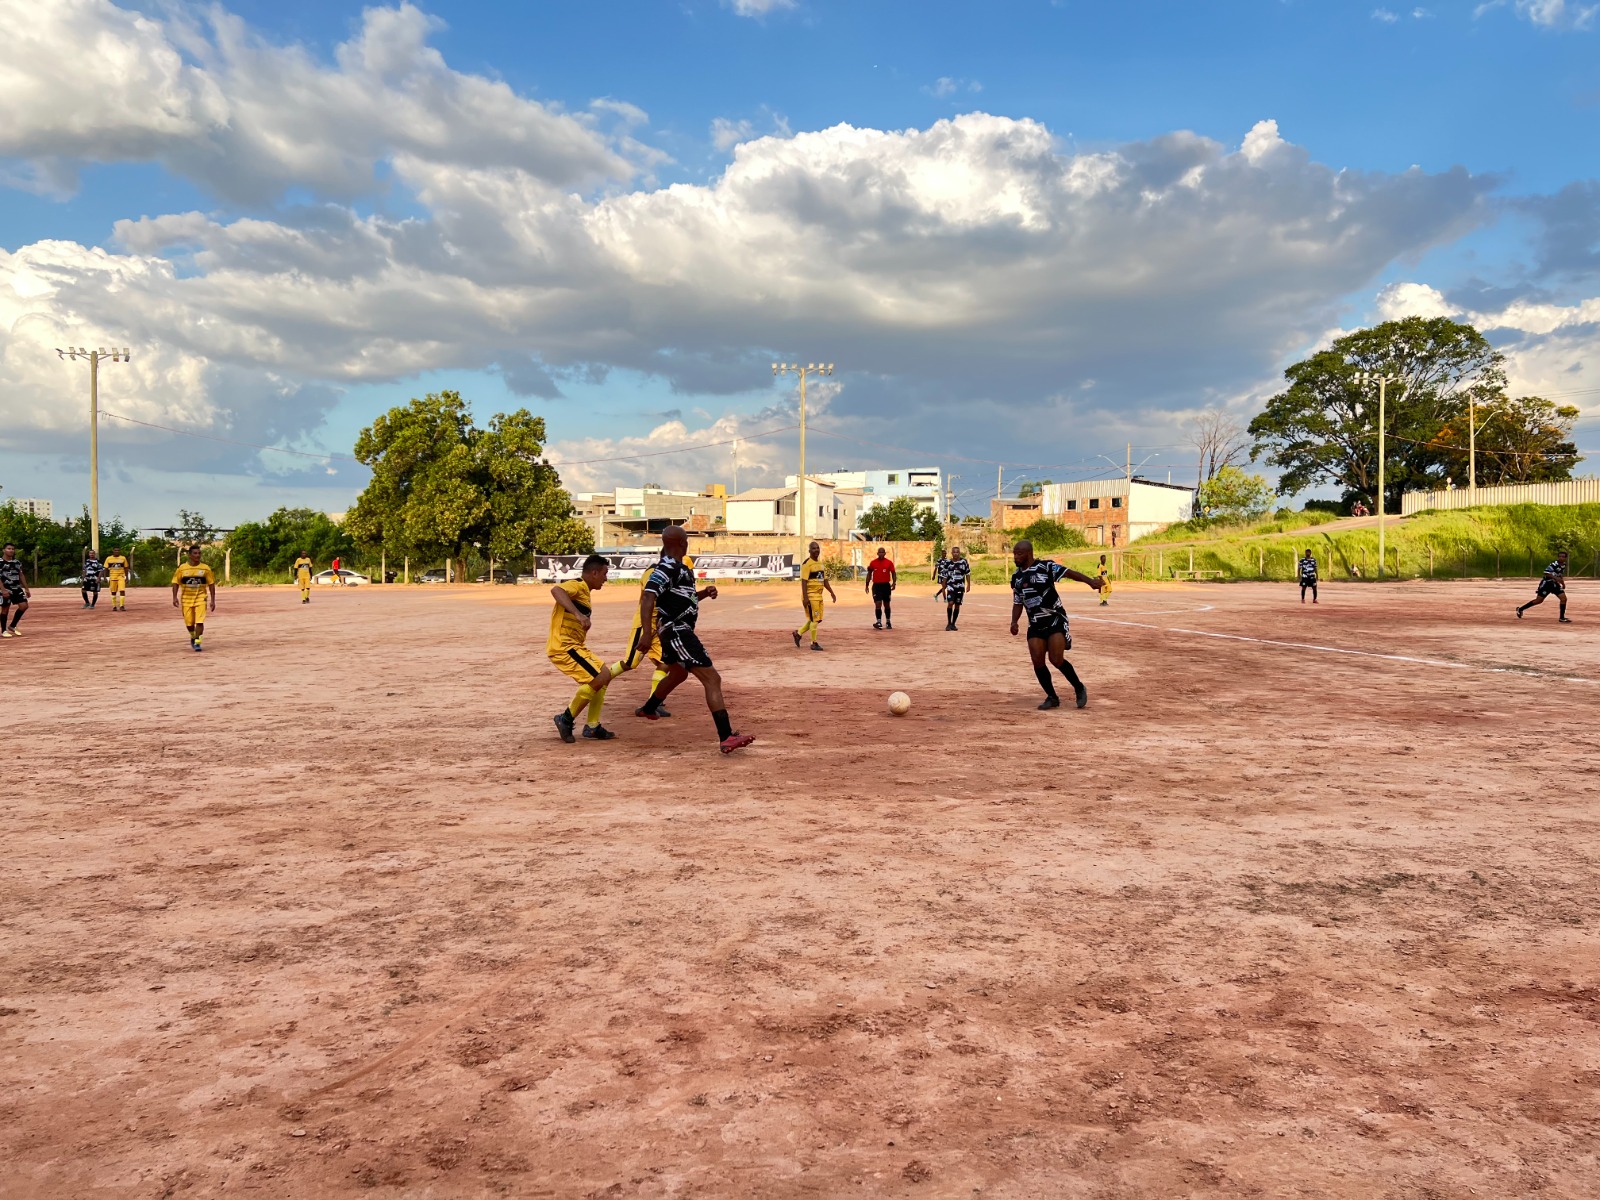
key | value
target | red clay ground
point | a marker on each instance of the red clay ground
(329, 911)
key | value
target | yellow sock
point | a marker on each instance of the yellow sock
(594, 708)
(655, 681)
(580, 701)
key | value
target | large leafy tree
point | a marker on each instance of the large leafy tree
(901, 520)
(1523, 440)
(1324, 427)
(1231, 494)
(441, 484)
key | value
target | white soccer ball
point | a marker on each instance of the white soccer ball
(899, 703)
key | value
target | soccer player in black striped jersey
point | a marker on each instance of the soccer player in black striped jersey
(89, 579)
(14, 593)
(1308, 576)
(670, 604)
(1033, 591)
(953, 574)
(1551, 583)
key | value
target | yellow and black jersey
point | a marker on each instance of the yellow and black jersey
(566, 631)
(302, 567)
(192, 582)
(813, 574)
(116, 566)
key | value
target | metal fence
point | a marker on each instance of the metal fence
(1571, 491)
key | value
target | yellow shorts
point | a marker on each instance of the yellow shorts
(638, 651)
(303, 582)
(815, 615)
(576, 662)
(117, 585)
(194, 613)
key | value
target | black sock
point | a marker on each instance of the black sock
(652, 704)
(1072, 676)
(877, 612)
(724, 726)
(886, 618)
(1044, 681)
(15, 617)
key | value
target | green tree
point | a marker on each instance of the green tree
(191, 529)
(440, 483)
(1323, 428)
(58, 545)
(272, 544)
(1047, 535)
(1522, 440)
(928, 527)
(896, 521)
(1232, 495)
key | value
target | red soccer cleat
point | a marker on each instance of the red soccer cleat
(736, 741)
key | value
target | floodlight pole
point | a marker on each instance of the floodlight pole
(1367, 379)
(1472, 449)
(94, 357)
(800, 493)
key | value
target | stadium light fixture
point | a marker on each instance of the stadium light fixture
(800, 508)
(1366, 379)
(93, 357)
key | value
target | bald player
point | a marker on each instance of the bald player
(670, 604)
(1033, 591)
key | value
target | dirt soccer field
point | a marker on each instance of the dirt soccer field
(1305, 903)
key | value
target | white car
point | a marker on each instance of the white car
(333, 578)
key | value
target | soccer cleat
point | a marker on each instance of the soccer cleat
(1566, 620)
(736, 741)
(877, 624)
(1051, 702)
(816, 645)
(647, 714)
(1519, 614)
(886, 625)
(197, 647)
(661, 712)
(796, 633)
(598, 733)
(1081, 693)
(564, 724)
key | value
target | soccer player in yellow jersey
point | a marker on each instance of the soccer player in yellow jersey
(1105, 583)
(641, 648)
(302, 576)
(194, 590)
(569, 626)
(116, 565)
(813, 582)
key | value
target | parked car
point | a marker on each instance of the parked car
(76, 581)
(347, 577)
(501, 575)
(528, 577)
(436, 575)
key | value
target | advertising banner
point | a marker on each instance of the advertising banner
(554, 568)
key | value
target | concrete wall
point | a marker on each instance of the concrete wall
(905, 554)
(1015, 513)
(1572, 491)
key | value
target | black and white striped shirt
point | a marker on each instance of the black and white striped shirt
(1308, 569)
(673, 585)
(955, 573)
(1034, 587)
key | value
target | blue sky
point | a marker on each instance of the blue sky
(327, 208)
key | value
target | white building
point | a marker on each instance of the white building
(34, 508)
(832, 514)
(1113, 512)
(925, 485)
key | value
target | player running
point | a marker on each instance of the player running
(641, 647)
(1551, 583)
(89, 579)
(194, 591)
(302, 575)
(670, 605)
(1104, 583)
(14, 593)
(1308, 576)
(116, 565)
(1033, 590)
(953, 574)
(813, 581)
(881, 582)
(569, 627)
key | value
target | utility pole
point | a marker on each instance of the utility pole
(800, 493)
(93, 357)
(1472, 449)
(1129, 466)
(735, 466)
(1367, 379)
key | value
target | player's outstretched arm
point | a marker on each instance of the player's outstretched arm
(1080, 577)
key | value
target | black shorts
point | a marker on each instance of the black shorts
(955, 593)
(1046, 629)
(1551, 587)
(91, 585)
(880, 592)
(682, 648)
(1311, 582)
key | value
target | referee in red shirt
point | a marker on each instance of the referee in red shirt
(881, 582)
